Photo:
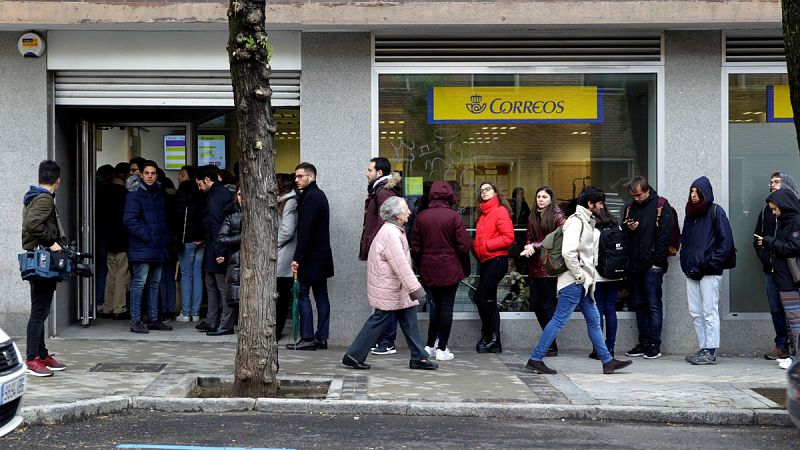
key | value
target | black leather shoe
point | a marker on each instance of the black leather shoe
(203, 326)
(321, 344)
(539, 367)
(158, 326)
(423, 364)
(302, 345)
(481, 343)
(350, 361)
(614, 365)
(220, 332)
(139, 327)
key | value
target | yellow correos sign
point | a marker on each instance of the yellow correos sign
(526, 104)
(779, 106)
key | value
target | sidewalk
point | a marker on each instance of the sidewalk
(666, 389)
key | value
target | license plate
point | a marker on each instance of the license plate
(12, 390)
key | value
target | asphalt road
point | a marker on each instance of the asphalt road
(152, 430)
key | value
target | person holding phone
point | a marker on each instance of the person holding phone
(783, 246)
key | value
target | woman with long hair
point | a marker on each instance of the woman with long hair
(287, 241)
(547, 217)
(494, 235)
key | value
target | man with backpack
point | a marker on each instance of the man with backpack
(651, 224)
(382, 184)
(570, 252)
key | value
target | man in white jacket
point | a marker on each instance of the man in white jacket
(576, 285)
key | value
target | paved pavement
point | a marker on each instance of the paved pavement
(471, 384)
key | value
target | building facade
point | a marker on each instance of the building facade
(670, 90)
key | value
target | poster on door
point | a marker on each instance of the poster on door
(174, 151)
(211, 150)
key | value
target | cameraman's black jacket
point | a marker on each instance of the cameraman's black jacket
(39, 222)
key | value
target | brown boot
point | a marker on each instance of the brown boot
(539, 367)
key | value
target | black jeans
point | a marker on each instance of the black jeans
(443, 298)
(41, 299)
(491, 272)
(284, 303)
(377, 323)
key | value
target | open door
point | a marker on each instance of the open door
(85, 240)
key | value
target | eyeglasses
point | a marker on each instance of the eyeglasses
(300, 176)
(487, 189)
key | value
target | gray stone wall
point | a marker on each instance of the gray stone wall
(335, 122)
(23, 131)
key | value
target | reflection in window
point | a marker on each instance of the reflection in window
(757, 147)
(520, 156)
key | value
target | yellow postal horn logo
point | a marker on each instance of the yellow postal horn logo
(476, 105)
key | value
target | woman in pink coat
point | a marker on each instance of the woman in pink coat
(392, 288)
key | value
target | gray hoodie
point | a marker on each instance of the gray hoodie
(787, 182)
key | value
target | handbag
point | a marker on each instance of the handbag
(794, 268)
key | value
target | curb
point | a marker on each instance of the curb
(84, 409)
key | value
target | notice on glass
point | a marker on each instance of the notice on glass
(413, 185)
(211, 150)
(174, 152)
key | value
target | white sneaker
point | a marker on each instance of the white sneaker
(444, 355)
(780, 361)
(431, 351)
(195, 318)
(182, 318)
(785, 363)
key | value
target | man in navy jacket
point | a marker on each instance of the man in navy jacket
(313, 260)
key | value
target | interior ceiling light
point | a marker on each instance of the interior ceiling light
(512, 128)
(747, 113)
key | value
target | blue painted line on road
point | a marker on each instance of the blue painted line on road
(189, 447)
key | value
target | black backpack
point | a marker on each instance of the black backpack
(613, 253)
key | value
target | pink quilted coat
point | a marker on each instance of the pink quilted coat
(390, 278)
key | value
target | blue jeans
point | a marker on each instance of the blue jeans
(307, 314)
(568, 298)
(378, 322)
(140, 272)
(646, 300)
(191, 258)
(777, 312)
(605, 296)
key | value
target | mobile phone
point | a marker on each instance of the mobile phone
(757, 236)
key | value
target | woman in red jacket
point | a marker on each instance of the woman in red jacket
(494, 235)
(547, 217)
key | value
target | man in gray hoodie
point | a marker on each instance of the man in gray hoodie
(767, 225)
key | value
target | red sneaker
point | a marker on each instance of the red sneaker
(52, 364)
(37, 368)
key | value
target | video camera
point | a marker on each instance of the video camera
(42, 264)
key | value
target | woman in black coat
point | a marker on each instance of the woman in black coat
(782, 247)
(230, 238)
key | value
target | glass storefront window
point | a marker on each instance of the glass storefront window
(757, 147)
(418, 136)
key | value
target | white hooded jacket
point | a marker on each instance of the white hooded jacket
(579, 248)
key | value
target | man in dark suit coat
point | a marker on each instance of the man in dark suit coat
(313, 260)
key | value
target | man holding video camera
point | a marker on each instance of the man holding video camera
(40, 229)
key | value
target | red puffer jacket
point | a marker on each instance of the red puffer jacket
(494, 232)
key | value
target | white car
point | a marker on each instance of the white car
(12, 384)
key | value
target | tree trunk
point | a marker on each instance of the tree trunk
(257, 350)
(791, 42)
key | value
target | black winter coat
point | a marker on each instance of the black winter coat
(766, 225)
(218, 198)
(705, 245)
(313, 251)
(230, 238)
(649, 243)
(190, 204)
(786, 243)
(110, 223)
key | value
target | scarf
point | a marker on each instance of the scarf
(695, 210)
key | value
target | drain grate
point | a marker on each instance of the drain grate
(127, 367)
(776, 395)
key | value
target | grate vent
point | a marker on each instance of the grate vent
(127, 367)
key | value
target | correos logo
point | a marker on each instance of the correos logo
(500, 106)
